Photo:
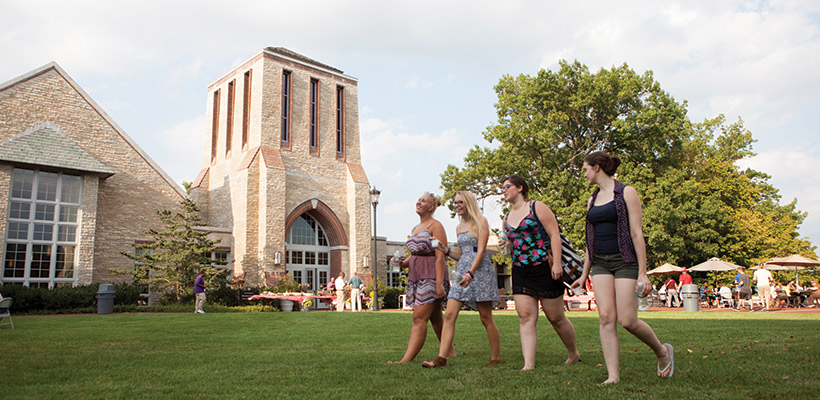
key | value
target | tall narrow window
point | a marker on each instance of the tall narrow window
(215, 126)
(246, 109)
(229, 119)
(286, 107)
(314, 116)
(42, 232)
(340, 122)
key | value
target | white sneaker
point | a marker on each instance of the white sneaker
(200, 311)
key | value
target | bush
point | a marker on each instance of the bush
(391, 296)
(65, 300)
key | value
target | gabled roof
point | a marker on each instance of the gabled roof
(93, 104)
(308, 60)
(45, 145)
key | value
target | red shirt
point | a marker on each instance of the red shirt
(671, 284)
(685, 279)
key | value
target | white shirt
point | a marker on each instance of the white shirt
(762, 277)
(340, 284)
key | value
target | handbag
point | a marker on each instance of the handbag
(571, 262)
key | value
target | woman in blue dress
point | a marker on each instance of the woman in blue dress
(476, 283)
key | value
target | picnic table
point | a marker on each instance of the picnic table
(585, 298)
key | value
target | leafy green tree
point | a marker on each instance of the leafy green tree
(697, 203)
(176, 254)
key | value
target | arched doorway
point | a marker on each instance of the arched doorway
(308, 253)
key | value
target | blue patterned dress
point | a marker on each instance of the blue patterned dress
(484, 286)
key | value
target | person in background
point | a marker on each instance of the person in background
(616, 261)
(744, 289)
(427, 281)
(815, 295)
(356, 285)
(199, 292)
(671, 292)
(340, 292)
(763, 280)
(477, 285)
(685, 278)
(535, 245)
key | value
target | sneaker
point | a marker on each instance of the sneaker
(200, 311)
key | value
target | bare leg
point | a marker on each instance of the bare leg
(485, 311)
(445, 349)
(607, 317)
(418, 331)
(437, 321)
(527, 309)
(554, 310)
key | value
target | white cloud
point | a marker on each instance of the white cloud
(179, 148)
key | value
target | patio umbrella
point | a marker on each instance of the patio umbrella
(795, 261)
(715, 264)
(665, 269)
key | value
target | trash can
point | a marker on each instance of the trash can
(690, 296)
(105, 298)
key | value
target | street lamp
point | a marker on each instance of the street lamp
(374, 199)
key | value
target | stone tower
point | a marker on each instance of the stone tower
(282, 182)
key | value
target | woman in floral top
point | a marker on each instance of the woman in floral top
(532, 233)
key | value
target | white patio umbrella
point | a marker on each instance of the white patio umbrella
(795, 261)
(715, 264)
(665, 269)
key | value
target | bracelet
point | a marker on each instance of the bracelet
(471, 274)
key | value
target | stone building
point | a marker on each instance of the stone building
(282, 181)
(75, 189)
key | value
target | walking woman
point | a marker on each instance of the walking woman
(616, 262)
(532, 232)
(477, 284)
(427, 278)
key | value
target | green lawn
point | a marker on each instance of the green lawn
(322, 354)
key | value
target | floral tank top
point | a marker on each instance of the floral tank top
(530, 243)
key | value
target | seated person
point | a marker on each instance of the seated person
(815, 295)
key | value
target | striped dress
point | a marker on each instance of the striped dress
(421, 277)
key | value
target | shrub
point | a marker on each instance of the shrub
(391, 296)
(65, 300)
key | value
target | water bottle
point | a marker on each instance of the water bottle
(455, 276)
(643, 301)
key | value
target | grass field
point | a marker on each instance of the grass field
(325, 355)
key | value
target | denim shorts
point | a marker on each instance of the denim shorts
(613, 264)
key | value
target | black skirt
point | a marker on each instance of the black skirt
(536, 281)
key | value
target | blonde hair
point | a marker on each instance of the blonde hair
(436, 201)
(472, 212)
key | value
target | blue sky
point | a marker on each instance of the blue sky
(426, 71)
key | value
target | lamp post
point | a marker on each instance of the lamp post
(374, 199)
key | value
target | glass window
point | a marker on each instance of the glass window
(296, 257)
(43, 231)
(322, 237)
(66, 233)
(68, 213)
(71, 189)
(65, 261)
(40, 261)
(22, 182)
(17, 230)
(310, 257)
(19, 210)
(324, 259)
(47, 186)
(44, 212)
(285, 134)
(15, 265)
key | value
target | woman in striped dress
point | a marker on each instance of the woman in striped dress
(427, 282)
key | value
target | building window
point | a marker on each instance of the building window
(42, 229)
(340, 122)
(286, 86)
(229, 119)
(215, 126)
(314, 116)
(308, 255)
(246, 108)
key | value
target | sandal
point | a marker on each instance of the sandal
(670, 366)
(437, 362)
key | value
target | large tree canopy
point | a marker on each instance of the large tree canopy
(697, 203)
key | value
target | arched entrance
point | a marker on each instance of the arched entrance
(308, 255)
(312, 228)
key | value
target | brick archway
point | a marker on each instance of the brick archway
(336, 237)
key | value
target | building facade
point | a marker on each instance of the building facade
(75, 189)
(282, 180)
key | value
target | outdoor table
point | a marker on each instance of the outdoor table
(296, 298)
(581, 299)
